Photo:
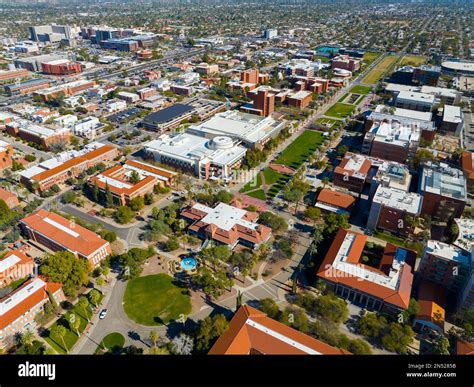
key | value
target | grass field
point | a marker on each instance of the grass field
(378, 72)
(340, 110)
(329, 121)
(418, 247)
(257, 194)
(113, 342)
(251, 185)
(369, 57)
(71, 336)
(413, 60)
(343, 97)
(323, 58)
(155, 300)
(359, 89)
(300, 149)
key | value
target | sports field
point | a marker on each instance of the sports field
(378, 72)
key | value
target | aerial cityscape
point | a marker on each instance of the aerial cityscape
(227, 177)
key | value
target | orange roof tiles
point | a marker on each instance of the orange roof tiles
(152, 169)
(78, 239)
(432, 301)
(464, 348)
(334, 198)
(73, 163)
(399, 297)
(467, 165)
(28, 303)
(252, 331)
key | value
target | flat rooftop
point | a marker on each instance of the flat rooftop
(444, 180)
(399, 199)
(448, 252)
(168, 114)
(416, 97)
(224, 216)
(465, 239)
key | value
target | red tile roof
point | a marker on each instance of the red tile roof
(432, 301)
(252, 331)
(84, 243)
(399, 297)
(334, 198)
(467, 165)
(28, 303)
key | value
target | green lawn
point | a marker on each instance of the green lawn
(300, 149)
(113, 342)
(369, 57)
(340, 110)
(155, 300)
(257, 194)
(359, 89)
(378, 72)
(343, 97)
(71, 337)
(251, 185)
(418, 247)
(413, 60)
(330, 121)
(323, 58)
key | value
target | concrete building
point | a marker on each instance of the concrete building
(19, 309)
(250, 130)
(427, 75)
(391, 175)
(415, 101)
(452, 120)
(444, 191)
(394, 210)
(65, 89)
(33, 63)
(207, 159)
(163, 176)
(271, 33)
(344, 62)
(87, 127)
(458, 68)
(227, 225)
(391, 140)
(352, 172)
(60, 234)
(128, 97)
(449, 266)
(66, 121)
(52, 33)
(115, 105)
(385, 287)
(66, 165)
(27, 87)
(206, 68)
(300, 99)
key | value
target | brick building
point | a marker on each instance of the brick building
(61, 67)
(352, 172)
(15, 265)
(61, 234)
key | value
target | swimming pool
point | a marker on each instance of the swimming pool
(188, 263)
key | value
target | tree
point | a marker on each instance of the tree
(209, 330)
(372, 326)
(27, 337)
(269, 307)
(69, 197)
(224, 196)
(154, 337)
(275, 222)
(109, 200)
(313, 214)
(137, 203)
(413, 309)
(95, 193)
(74, 323)
(332, 308)
(442, 346)
(398, 338)
(94, 296)
(100, 282)
(359, 347)
(66, 268)
(59, 331)
(124, 215)
(134, 177)
(172, 243)
(84, 305)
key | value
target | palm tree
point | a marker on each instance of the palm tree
(27, 337)
(154, 337)
(83, 303)
(59, 331)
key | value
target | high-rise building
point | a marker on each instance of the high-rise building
(52, 33)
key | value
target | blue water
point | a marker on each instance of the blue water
(188, 263)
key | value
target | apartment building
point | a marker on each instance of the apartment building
(352, 172)
(453, 120)
(19, 309)
(66, 165)
(444, 191)
(390, 140)
(227, 225)
(60, 234)
(394, 210)
(386, 287)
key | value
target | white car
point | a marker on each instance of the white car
(103, 313)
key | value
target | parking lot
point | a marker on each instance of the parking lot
(124, 116)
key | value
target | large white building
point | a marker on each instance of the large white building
(251, 130)
(204, 158)
(87, 127)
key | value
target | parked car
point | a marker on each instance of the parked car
(103, 313)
